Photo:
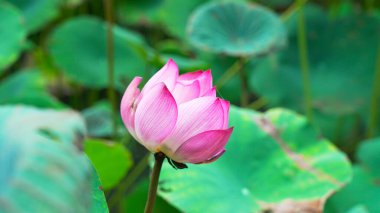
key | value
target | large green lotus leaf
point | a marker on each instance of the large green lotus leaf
(341, 54)
(99, 203)
(43, 168)
(276, 3)
(37, 13)
(364, 188)
(12, 34)
(142, 12)
(174, 15)
(98, 119)
(111, 161)
(358, 209)
(369, 155)
(27, 87)
(236, 28)
(271, 158)
(79, 49)
(134, 202)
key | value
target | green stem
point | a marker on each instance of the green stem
(369, 4)
(258, 104)
(127, 182)
(159, 159)
(302, 45)
(373, 111)
(244, 99)
(228, 74)
(292, 9)
(108, 4)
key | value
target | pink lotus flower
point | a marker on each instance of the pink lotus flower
(178, 115)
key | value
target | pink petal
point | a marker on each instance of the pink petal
(168, 75)
(156, 116)
(195, 116)
(204, 78)
(215, 157)
(183, 93)
(127, 108)
(226, 110)
(203, 147)
(190, 76)
(211, 92)
(206, 81)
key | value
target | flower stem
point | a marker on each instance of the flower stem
(227, 75)
(128, 181)
(302, 45)
(369, 4)
(374, 105)
(159, 159)
(108, 4)
(292, 9)
(244, 99)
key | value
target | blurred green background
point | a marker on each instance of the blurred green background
(308, 69)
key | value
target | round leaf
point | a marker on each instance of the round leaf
(99, 203)
(98, 119)
(111, 161)
(37, 13)
(79, 49)
(133, 201)
(12, 35)
(342, 54)
(28, 87)
(175, 22)
(43, 169)
(269, 158)
(236, 28)
(364, 189)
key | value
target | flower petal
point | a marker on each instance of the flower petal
(190, 76)
(203, 147)
(127, 109)
(204, 78)
(183, 93)
(215, 157)
(195, 116)
(211, 92)
(168, 75)
(156, 116)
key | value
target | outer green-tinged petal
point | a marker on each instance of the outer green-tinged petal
(127, 108)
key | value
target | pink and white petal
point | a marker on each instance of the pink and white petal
(226, 110)
(211, 92)
(190, 76)
(195, 116)
(214, 158)
(202, 147)
(204, 78)
(127, 110)
(168, 75)
(206, 81)
(183, 93)
(156, 116)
